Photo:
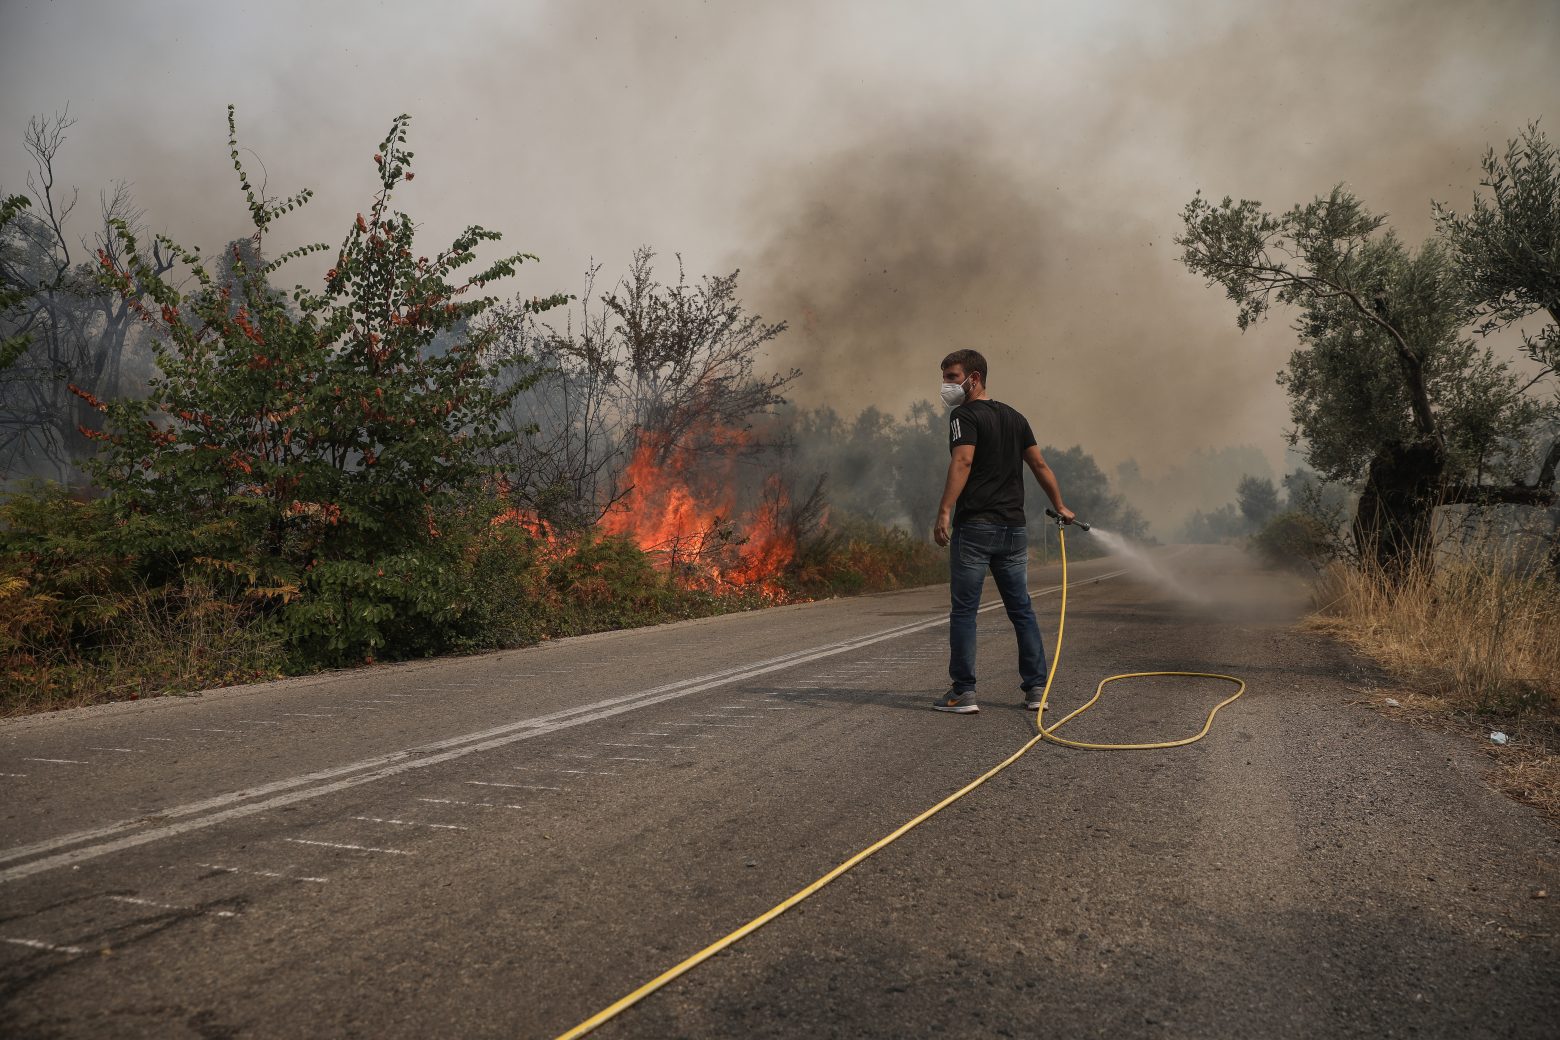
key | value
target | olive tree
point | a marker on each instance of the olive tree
(1507, 248)
(1386, 390)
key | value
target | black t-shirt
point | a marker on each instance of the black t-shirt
(995, 490)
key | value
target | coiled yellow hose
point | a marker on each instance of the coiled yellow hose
(1042, 732)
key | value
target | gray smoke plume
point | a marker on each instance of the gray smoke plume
(895, 179)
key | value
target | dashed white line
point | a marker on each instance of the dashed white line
(59, 761)
(303, 715)
(161, 740)
(257, 722)
(718, 725)
(208, 729)
(340, 845)
(261, 873)
(209, 812)
(591, 772)
(36, 945)
(413, 823)
(131, 750)
(172, 906)
(650, 746)
(484, 805)
(13, 774)
(626, 758)
(524, 787)
(703, 715)
(648, 733)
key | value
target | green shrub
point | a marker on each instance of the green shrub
(79, 624)
(303, 449)
(1297, 541)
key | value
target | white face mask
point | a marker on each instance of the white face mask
(953, 394)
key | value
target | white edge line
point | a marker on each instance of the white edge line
(36, 945)
(395, 763)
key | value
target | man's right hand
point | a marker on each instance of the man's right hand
(942, 529)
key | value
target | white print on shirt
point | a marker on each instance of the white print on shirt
(955, 429)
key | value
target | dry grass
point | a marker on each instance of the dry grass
(1476, 646)
(144, 645)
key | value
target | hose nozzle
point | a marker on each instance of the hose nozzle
(1054, 515)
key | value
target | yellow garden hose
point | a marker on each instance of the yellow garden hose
(1042, 732)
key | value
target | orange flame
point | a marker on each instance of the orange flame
(683, 504)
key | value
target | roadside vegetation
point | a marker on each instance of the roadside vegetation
(211, 478)
(1474, 642)
(1425, 397)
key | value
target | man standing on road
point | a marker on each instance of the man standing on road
(982, 516)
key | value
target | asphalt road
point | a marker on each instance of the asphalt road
(498, 846)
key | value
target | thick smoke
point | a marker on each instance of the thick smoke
(895, 179)
(892, 252)
(1038, 227)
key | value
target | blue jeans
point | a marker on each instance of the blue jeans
(977, 547)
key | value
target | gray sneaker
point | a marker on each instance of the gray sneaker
(959, 703)
(1032, 699)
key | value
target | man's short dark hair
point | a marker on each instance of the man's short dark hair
(969, 360)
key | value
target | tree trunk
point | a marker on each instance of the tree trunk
(1394, 521)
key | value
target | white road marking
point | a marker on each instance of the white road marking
(208, 729)
(650, 746)
(13, 774)
(413, 823)
(303, 715)
(484, 805)
(59, 761)
(131, 750)
(648, 733)
(36, 945)
(172, 906)
(717, 725)
(161, 740)
(591, 772)
(261, 873)
(380, 767)
(525, 787)
(339, 845)
(704, 715)
(371, 702)
(253, 722)
(625, 758)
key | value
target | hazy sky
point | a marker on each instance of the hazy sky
(894, 179)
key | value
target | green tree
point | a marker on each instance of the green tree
(1088, 493)
(1507, 249)
(1385, 391)
(1258, 500)
(306, 448)
(14, 294)
(75, 330)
